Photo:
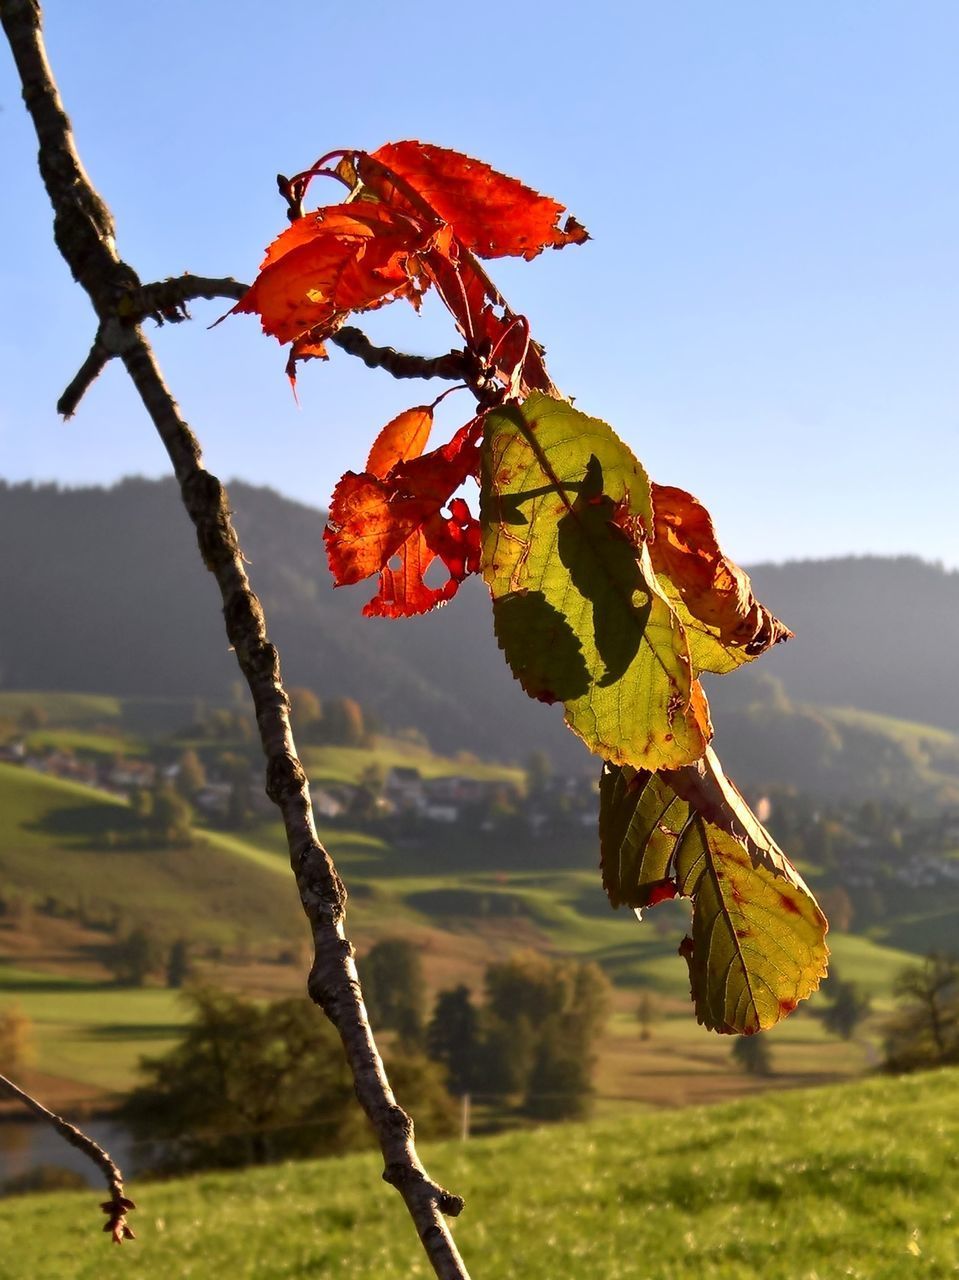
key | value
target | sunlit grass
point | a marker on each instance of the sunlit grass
(857, 1181)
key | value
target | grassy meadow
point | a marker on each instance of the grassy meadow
(856, 1181)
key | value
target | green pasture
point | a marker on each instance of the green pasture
(902, 730)
(855, 1181)
(327, 764)
(84, 742)
(212, 891)
(76, 710)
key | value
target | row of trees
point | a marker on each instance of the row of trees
(251, 1083)
(340, 720)
(529, 1041)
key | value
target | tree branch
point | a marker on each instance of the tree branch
(118, 1206)
(84, 233)
(84, 378)
(454, 366)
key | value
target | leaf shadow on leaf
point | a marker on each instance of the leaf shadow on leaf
(505, 507)
(604, 569)
(556, 671)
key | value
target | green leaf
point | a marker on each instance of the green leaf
(758, 935)
(577, 609)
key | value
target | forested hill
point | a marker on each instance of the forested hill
(103, 591)
(876, 632)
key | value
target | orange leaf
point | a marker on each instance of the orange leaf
(402, 438)
(712, 587)
(376, 518)
(491, 214)
(339, 259)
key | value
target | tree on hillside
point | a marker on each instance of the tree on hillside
(171, 818)
(751, 1054)
(306, 708)
(395, 988)
(179, 965)
(134, 958)
(343, 723)
(539, 772)
(453, 1038)
(611, 594)
(842, 1006)
(191, 775)
(924, 1030)
(542, 1020)
(647, 1012)
(16, 1038)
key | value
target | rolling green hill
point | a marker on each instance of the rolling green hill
(70, 843)
(856, 1181)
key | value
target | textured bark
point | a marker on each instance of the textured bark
(84, 233)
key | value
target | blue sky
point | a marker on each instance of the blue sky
(768, 311)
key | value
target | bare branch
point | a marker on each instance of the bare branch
(454, 366)
(118, 1206)
(84, 234)
(84, 378)
(167, 299)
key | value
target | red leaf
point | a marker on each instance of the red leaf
(402, 438)
(455, 540)
(376, 518)
(342, 258)
(714, 589)
(491, 214)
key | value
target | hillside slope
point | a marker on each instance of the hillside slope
(80, 849)
(858, 1180)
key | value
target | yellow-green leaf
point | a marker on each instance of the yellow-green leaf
(758, 936)
(577, 609)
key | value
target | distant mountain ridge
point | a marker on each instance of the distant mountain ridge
(105, 593)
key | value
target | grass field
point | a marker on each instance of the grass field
(857, 1181)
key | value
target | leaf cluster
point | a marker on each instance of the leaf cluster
(611, 594)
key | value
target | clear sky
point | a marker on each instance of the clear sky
(768, 311)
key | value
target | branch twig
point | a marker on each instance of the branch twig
(84, 233)
(454, 366)
(118, 1206)
(84, 378)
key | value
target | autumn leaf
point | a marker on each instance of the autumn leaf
(340, 259)
(726, 624)
(402, 438)
(453, 539)
(578, 614)
(392, 524)
(492, 215)
(758, 936)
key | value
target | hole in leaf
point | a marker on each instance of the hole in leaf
(436, 575)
